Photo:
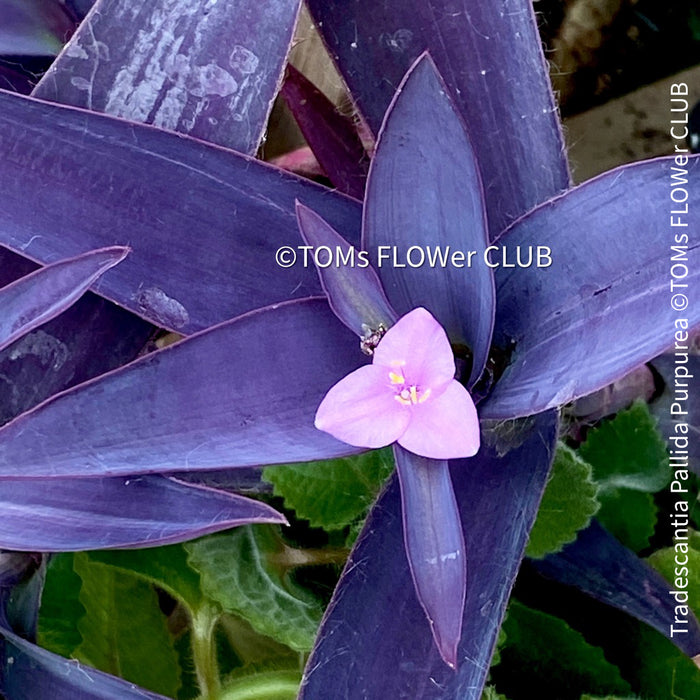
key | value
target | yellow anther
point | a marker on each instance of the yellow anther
(414, 394)
(396, 378)
(424, 396)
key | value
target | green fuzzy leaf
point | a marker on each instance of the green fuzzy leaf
(490, 693)
(334, 493)
(124, 631)
(241, 571)
(61, 608)
(664, 561)
(540, 646)
(628, 452)
(629, 515)
(664, 672)
(166, 567)
(568, 504)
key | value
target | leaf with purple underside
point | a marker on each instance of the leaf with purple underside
(284, 359)
(354, 292)
(60, 515)
(434, 546)
(29, 672)
(597, 564)
(362, 636)
(332, 136)
(603, 307)
(423, 140)
(203, 223)
(490, 57)
(211, 72)
(32, 300)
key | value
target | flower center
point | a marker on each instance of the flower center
(408, 394)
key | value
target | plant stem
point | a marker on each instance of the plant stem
(204, 651)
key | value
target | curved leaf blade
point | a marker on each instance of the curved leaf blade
(203, 223)
(354, 292)
(211, 72)
(242, 394)
(32, 300)
(434, 546)
(597, 564)
(381, 645)
(424, 140)
(29, 672)
(604, 306)
(491, 58)
(333, 137)
(60, 515)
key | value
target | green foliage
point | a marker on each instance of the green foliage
(540, 646)
(629, 461)
(244, 572)
(123, 630)
(628, 452)
(664, 672)
(60, 607)
(166, 567)
(664, 561)
(568, 504)
(630, 516)
(335, 493)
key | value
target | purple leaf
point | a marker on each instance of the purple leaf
(284, 358)
(489, 54)
(333, 137)
(29, 672)
(597, 564)
(354, 291)
(34, 27)
(60, 515)
(204, 223)
(209, 72)
(423, 141)
(380, 645)
(91, 337)
(43, 295)
(434, 546)
(604, 305)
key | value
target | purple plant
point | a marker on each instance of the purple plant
(474, 162)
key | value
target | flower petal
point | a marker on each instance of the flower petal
(444, 427)
(361, 410)
(420, 342)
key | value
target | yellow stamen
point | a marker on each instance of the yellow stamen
(396, 378)
(424, 396)
(402, 400)
(414, 394)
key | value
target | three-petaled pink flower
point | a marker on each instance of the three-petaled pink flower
(407, 395)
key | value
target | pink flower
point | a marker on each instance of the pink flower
(407, 395)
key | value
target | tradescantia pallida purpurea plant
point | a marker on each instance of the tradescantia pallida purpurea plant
(204, 224)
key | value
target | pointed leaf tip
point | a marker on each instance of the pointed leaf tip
(435, 546)
(37, 298)
(423, 139)
(352, 286)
